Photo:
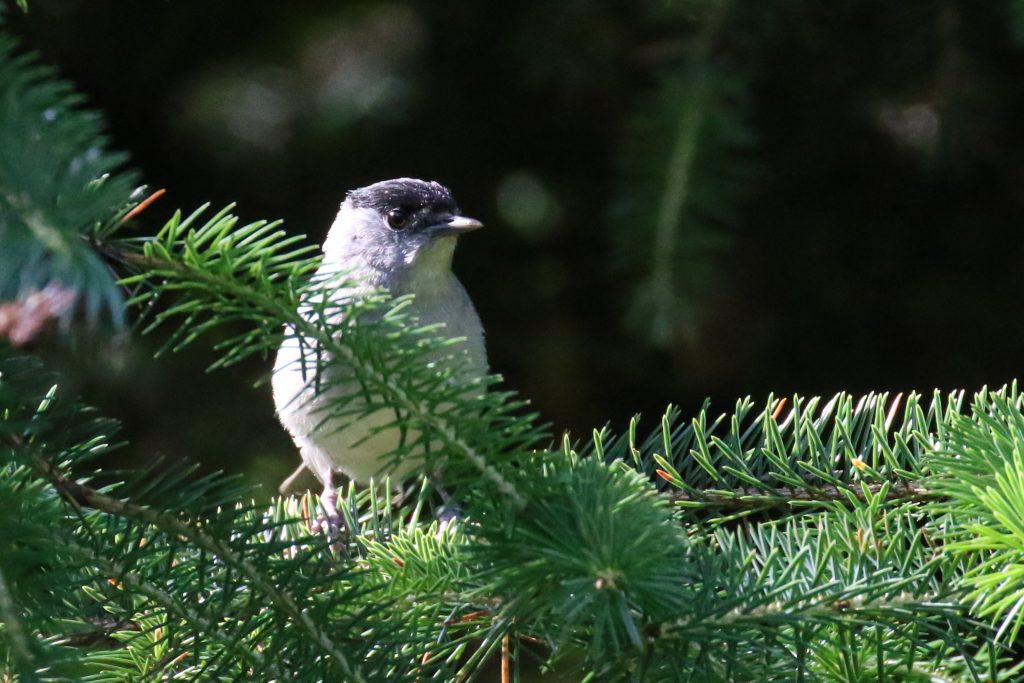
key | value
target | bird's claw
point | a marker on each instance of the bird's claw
(329, 519)
(331, 526)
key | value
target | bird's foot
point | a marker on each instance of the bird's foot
(332, 526)
(330, 520)
(329, 524)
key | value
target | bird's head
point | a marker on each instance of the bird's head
(398, 227)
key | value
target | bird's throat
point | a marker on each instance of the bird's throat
(430, 273)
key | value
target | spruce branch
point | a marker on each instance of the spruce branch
(881, 513)
(575, 568)
(853, 568)
(680, 195)
(134, 582)
(163, 549)
(85, 496)
(248, 273)
(810, 456)
(58, 185)
(758, 499)
(14, 632)
(980, 469)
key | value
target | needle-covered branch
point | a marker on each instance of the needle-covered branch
(855, 538)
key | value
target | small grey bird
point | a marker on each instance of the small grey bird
(399, 236)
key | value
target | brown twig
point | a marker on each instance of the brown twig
(506, 673)
(143, 205)
(101, 632)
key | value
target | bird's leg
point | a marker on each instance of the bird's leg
(288, 484)
(449, 510)
(329, 505)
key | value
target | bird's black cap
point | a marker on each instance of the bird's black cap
(405, 193)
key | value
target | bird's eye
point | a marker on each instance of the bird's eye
(397, 219)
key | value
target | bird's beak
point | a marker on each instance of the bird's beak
(454, 226)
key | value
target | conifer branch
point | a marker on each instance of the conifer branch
(759, 498)
(156, 262)
(830, 608)
(14, 631)
(174, 606)
(575, 551)
(87, 496)
(680, 165)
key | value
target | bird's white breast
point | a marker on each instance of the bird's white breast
(358, 446)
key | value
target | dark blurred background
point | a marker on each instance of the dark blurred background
(781, 195)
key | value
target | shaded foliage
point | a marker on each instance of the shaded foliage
(855, 538)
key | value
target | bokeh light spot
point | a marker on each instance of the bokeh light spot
(526, 204)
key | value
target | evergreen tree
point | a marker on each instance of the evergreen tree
(854, 538)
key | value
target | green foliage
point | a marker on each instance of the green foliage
(981, 469)
(683, 171)
(584, 557)
(575, 549)
(852, 539)
(593, 558)
(572, 549)
(59, 187)
(186, 578)
(247, 275)
(483, 444)
(791, 461)
(851, 548)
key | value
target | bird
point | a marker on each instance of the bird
(396, 236)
